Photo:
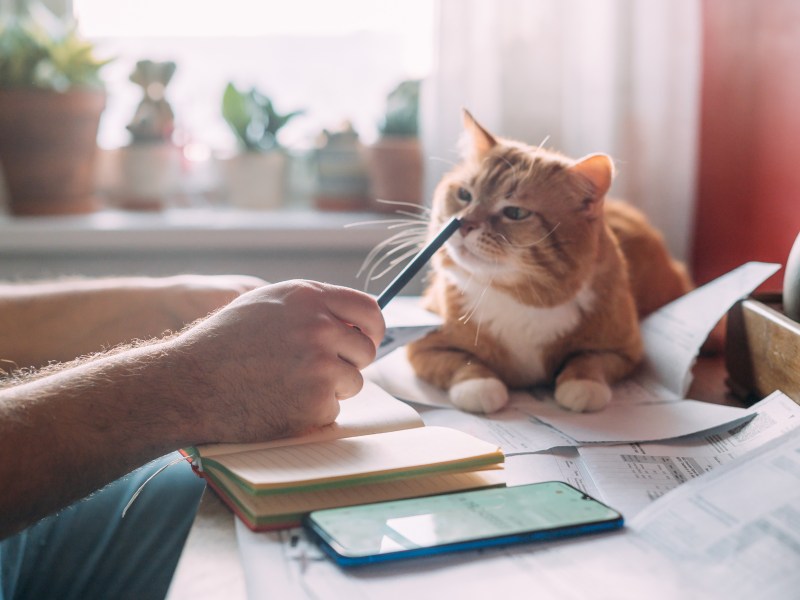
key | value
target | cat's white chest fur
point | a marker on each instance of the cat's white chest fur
(523, 330)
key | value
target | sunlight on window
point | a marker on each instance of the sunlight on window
(208, 18)
(334, 60)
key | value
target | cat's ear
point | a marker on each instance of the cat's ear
(477, 141)
(598, 169)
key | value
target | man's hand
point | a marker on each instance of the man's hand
(275, 361)
(271, 363)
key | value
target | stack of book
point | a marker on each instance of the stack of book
(378, 449)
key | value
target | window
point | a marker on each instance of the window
(335, 60)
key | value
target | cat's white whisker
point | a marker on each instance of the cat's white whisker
(413, 244)
(532, 244)
(415, 225)
(421, 217)
(478, 332)
(540, 147)
(547, 235)
(379, 264)
(372, 275)
(531, 167)
(533, 288)
(512, 166)
(394, 239)
(446, 161)
(473, 309)
(380, 222)
(395, 262)
(413, 233)
(535, 153)
(401, 238)
(418, 207)
(480, 318)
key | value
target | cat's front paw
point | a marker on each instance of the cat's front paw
(583, 395)
(486, 395)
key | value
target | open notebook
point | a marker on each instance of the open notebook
(378, 449)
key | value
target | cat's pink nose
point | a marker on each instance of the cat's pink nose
(467, 226)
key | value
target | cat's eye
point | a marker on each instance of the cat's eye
(516, 213)
(464, 194)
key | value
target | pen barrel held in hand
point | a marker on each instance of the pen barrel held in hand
(412, 268)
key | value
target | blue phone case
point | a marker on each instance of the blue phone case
(328, 545)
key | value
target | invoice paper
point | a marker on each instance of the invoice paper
(629, 477)
(731, 534)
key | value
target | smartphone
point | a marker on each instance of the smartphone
(383, 531)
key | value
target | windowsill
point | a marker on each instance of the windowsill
(195, 228)
(274, 245)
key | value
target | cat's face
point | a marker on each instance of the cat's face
(529, 216)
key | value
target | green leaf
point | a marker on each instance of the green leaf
(235, 113)
(252, 117)
(30, 56)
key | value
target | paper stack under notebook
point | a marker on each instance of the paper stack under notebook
(378, 449)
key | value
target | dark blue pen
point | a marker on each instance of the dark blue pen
(418, 262)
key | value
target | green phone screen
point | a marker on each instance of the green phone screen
(431, 521)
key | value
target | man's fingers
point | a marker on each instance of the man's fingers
(359, 310)
(354, 347)
(349, 383)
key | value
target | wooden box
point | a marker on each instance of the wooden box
(762, 349)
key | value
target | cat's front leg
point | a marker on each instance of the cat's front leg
(471, 386)
(479, 395)
(584, 384)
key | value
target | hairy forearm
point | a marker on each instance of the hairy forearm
(58, 321)
(274, 362)
(65, 435)
(61, 320)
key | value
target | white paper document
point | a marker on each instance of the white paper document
(560, 464)
(406, 321)
(512, 430)
(673, 334)
(635, 422)
(626, 421)
(629, 477)
(731, 534)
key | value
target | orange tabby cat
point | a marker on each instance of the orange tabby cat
(543, 283)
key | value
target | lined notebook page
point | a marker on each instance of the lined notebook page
(408, 450)
(372, 410)
(291, 505)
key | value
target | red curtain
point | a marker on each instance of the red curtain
(748, 205)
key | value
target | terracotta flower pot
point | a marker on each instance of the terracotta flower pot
(396, 172)
(48, 142)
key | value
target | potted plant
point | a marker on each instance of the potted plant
(395, 160)
(146, 174)
(342, 178)
(255, 177)
(51, 99)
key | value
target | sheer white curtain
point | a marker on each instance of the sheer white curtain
(614, 76)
